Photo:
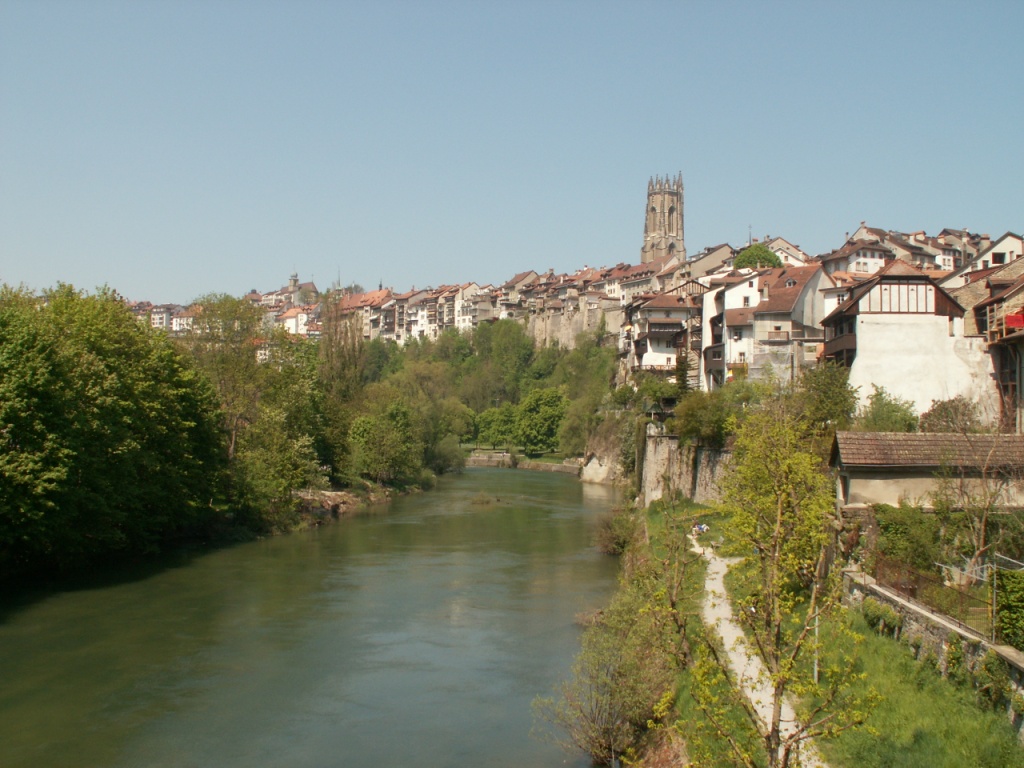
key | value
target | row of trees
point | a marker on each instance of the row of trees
(117, 437)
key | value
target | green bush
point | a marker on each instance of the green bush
(615, 531)
(881, 618)
(887, 413)
(1010, 607)
(908, 535)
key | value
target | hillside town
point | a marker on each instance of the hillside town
(927, 317)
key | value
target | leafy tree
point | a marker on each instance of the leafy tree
(957, 414)
(385, 448)
(496, 426)
(508, 349)
(886, 413)
(781, 502)
(539, 418)
(828, 401)
(225, 339)
(109, 436)
(756, 255)
(274, 463)
(711, 417)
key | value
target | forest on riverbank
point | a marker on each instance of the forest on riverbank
(121, 440)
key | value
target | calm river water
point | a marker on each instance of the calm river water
(416, 634)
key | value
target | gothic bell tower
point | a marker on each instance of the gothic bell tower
(663, 227)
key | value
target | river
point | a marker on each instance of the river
(413, 634)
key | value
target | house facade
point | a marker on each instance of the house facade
(901, 331)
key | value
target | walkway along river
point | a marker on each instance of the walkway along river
(415, 634)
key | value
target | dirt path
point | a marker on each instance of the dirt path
(750, 673)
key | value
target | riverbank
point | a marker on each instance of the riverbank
(506, 460)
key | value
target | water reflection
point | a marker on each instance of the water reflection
(416, 634)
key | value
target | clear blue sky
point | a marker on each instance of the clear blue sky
(174, 148)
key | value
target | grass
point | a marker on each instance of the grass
(923, 719)
(704, 744)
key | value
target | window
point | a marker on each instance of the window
(791, 283)
(746, 301)
(743, 357)
(716, 354)
(750, 284)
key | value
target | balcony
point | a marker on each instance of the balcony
(840, 346)
(778, 336)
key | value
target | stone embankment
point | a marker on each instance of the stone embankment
(510, 461)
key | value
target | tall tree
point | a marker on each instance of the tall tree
(781, 504)
(539, 419)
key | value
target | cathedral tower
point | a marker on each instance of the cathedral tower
(663, 228)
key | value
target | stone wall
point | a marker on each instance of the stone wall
(931, 632)
(684, 468)
(507, 461)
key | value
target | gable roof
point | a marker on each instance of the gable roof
(922, 449)
(894, 269)
(783, 297)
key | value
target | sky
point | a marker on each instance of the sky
(170, 149)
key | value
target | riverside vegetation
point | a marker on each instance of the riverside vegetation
(118, 440)
(862, 698)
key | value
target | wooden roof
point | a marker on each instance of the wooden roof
(925, 449)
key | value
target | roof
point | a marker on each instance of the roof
(349, 302)
(854, 246)
(894, 269)
(924, 449)
(783, 297)
(740, 316)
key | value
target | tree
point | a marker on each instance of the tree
(496, 426)
(538, 419)
(274, 462)
(224, 338)
(711, 417)
(781, 504)
(109, 436)
(886, 413)
(957, 415)
(385, 448)
(755, 256)
(828, 401)
(975, 501)
(683, 374)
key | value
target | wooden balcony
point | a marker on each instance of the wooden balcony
(840, 345)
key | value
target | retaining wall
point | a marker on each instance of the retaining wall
(932, 632)
(669, 466)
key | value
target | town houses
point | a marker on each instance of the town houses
(927, 317)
